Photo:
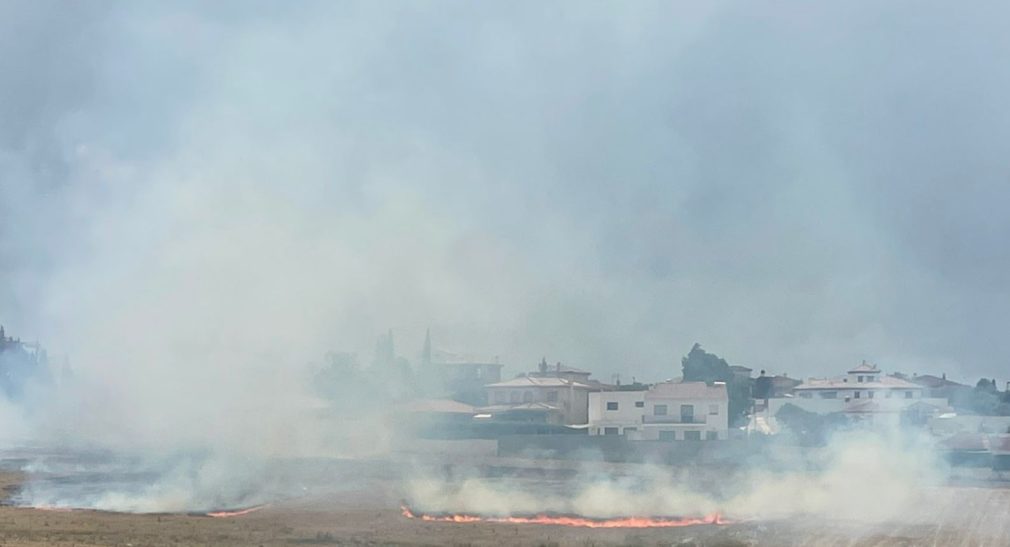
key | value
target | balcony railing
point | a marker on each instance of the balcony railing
(674, 419)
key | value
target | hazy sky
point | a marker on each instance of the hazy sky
(798, 186)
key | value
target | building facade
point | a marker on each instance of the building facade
(559, 400)
(668, 411)
(865, 394)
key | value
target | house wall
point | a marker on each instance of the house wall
(642, 423)
(626, 416)
(573, 401)
(897, 403)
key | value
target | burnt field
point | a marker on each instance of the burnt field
(369, 513)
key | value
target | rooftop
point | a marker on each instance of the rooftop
(931, 381)
(566, 368)
(530, 407)
(687, 390)
(538, 381)
(865, 367)
(883, 382)
(445, 406)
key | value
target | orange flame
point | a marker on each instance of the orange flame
(236, 513)
(562, 520)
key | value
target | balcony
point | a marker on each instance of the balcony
(685, 420)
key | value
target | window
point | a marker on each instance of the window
(829, 395)
(713, 409)
(627, 429)
(527, 396)
(869, 394)
(805, 395)
(711, 435)
(659, 410)
(859, 379)
(686, 414)
(871, 378)
(692, 435)
(514, 397)
(552, 396)
(856, 395)
(610, 431)
(908, 394)
(668, 435)
(499, 397)
(639, 404)
(611, 405)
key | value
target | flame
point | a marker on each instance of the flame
(235, 513)
(53, 508)
(569, 520)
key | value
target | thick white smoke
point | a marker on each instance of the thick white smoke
(197, 201)
(830, 482)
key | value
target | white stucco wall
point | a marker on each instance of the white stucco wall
(642, 423)
(826, 406)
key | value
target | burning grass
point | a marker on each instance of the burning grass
(235, 512)
(567, 520)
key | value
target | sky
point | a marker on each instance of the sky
(210, 189)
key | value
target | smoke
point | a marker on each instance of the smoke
(197, 201)
(830, 483)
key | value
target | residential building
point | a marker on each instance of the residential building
(741, 371)
(461, 377)
(465, 380)
(668, 411)
(547, 399)
(864, 393)
(783, 385)
(561, 371)
(940, 386)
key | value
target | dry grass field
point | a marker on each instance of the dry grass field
(370, 516)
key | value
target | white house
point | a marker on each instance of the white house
(864, 393)
(560, 400)
(667, 411)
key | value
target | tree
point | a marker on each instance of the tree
(762, 386)
(986, 399)
(700, 366)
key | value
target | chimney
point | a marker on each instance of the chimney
(943, 376)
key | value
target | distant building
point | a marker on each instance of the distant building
(464, 381)
(865, 394)
(668, 411)
(783, 385)
(460, 377)
(560, 371)
(741, 371)
(541, 399)
(428, 414)
(20, 364)
(939, 386)
(569, 373)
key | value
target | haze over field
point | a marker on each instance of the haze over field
(198, 200)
